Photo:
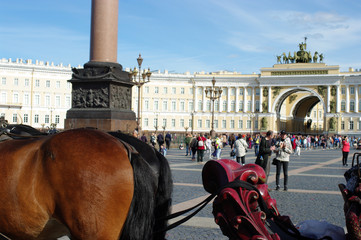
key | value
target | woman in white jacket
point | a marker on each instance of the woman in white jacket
(283, 151)
(240, 146)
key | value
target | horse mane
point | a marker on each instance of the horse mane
(144, 203)
(22, 129)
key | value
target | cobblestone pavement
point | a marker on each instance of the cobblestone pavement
(313, 191)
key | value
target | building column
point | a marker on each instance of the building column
(195, 104)
(328, 97)
(356, 98)
(204, 103)
(252, 101)
(237, 100)
(269, 99)
(244, 99)
(260, 99)
(228, 99)
(338, 102)
(347, 98)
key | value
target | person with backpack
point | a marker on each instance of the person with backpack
(201, 143)
(193, 146)
(240, 146)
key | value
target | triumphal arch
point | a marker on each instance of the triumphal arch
(300, 85)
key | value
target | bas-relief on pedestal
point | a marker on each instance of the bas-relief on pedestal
(101, 98)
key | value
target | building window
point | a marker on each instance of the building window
(26, 99)
(146, 105)
(57, 119)
(240, 106)
(232, 124)
(47, 84)
(216, 105)
(15, 98)
(343, 105)
(233, 91)
(165, 90)
(199, 123)
(181, 123)
(57, 84)
(342, 125)
(208, 105)
(156, 90)
(224, 106)
(359, 90)
(241, 91)
(26, 83)
(3, 97)
(146, 89)
(256, 124)
(249, 124)
(351, 125)
(359, 105)
(182, 90)
(164, 122)
(174, 106)
(343, 90)
(257, 91)
(37, 99)
(240, 124)
(352, 90)
(37, 83)
(36, 118)
(352, 105)
(215, 123)
(46, 120)
(249, 91)
(47, 100)
(191, 91)
(320, 114)
(249, 106)
(155, 122)
(182, 106)
(15, 118)
(224, 124)
(174, 90)
(233, 106)
(68, 85)
(314, 114)
(16, 81)
(257, 106)
(67, 102)
(26, 118)
(359, 125)
(156, 105)
(57, 101)
(200, 105)
(190, 123)
(190, 106)
(165, 106)
(208, 123)
(3, 81)
(146, 122)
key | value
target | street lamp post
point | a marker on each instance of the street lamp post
(143, 77)
(337, 116)
(251, 115)
(186, 128)
(213, 94)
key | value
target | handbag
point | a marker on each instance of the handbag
(232, 153)
(274, 161)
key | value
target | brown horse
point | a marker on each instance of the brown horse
(87, 180)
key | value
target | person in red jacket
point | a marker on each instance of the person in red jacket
(201, 147)
(345, 150)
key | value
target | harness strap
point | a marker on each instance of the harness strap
(3, 237)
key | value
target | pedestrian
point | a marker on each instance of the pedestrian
(135, 133)
(168, 139)
(193, 147)
(163, 150)
(209, 146)
(241, 148)
(160, 140)
(256, 145)
(201, 147)
(283, 151)
(187, 141)
(265, 150)
(144, 138)
(153, 139)
(298, 146)
(232, 140)
(218, 147)
(345, 150)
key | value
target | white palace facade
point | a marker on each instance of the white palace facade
(311, 98)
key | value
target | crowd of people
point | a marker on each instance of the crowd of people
(201, 147)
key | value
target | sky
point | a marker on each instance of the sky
(187, 35)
